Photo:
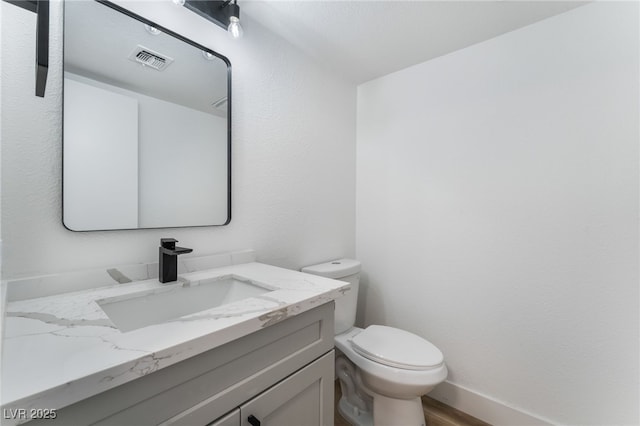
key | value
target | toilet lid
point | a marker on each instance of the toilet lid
(396, 348)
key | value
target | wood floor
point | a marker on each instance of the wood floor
(435, 412)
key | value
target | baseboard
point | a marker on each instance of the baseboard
(483, 407)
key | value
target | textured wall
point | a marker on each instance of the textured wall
(497, 212)
(293, 155)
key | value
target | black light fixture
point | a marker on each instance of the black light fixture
(224, 13)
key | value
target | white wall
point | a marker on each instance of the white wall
(293, 156)
(497, 214)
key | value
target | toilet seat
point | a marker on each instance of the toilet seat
(396, 348)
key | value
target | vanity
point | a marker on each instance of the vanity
(263, 355)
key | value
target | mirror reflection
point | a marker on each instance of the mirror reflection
(146, 140)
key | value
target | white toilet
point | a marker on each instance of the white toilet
(383, 371)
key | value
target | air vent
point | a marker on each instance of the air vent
(220, 103)
(149, 58)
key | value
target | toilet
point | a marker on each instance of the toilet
(382, 370)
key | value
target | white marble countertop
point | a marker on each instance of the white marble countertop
(62, 348)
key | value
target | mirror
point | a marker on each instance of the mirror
(146, 124)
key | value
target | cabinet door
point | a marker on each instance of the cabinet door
(231, 419)
(303, 399)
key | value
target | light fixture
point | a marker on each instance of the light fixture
(151, 30)
(178, 2)
(234, 27)
(224, 13)
(208, 56)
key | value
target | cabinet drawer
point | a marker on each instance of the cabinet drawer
(231, 419)
(302, 399)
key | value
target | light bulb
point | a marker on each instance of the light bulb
(234, 27)
(178, 2)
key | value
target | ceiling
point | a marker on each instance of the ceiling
(358, 39)
(368, 39)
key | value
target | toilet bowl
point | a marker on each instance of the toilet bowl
(382, 370)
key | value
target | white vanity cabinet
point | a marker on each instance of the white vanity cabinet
(281, 375)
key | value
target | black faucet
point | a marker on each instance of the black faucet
(168, 259)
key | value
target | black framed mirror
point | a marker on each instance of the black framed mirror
(146, 124)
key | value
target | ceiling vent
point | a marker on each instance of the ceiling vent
(149, 58)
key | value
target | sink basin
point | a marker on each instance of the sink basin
(142, 309)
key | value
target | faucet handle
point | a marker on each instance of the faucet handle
(168, 243)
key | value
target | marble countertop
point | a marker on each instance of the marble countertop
(62, 348)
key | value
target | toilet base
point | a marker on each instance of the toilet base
(393, 412)
(353, 414)
(386, 412)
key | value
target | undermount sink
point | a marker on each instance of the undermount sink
(146, 308)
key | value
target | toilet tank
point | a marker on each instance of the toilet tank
(344, 270)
